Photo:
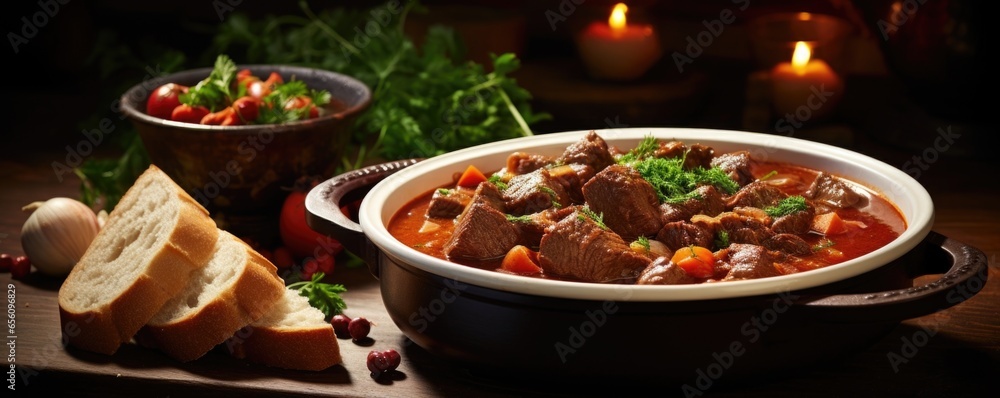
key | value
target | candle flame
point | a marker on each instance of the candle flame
(617, 18)
(800, 58)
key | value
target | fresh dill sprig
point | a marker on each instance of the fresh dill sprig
(552, 195)
(786, 206)
(722, 239)
(646, 148)
(520, 219)
(674, 184)
(823, 245)
(585, 212)
(497, 180)
(644, 242)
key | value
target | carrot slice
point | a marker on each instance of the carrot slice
(522, 261)
(828, 224)
(697, 261)
(471, 177)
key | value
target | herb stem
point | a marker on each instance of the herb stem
(326, 28)
(525, 130)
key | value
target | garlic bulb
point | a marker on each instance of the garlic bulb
(57, 234)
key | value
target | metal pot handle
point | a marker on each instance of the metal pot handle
(965, 276)
(324, 202)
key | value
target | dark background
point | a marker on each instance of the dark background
(900, 91)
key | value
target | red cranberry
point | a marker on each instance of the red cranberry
(6, 261)
(340, 325)
(359, 328)
(20, 268)
(381, 362)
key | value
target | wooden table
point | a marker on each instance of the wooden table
(955, 352)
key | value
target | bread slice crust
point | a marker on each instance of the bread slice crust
(105, 325)
(312, 347)
(253, 291)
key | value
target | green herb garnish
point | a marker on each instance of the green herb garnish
(769, 175)
(643, 241)
(444, 191)
(520, 219)
(323, 296)
(215, 91)
(274, 110)
(823, 245)
(646, 148)
(787, 206)
(497, 180)
(585, 212)
(722, 239)
(674, 184)
(552, 195)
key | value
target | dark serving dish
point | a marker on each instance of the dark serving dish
(513, 326)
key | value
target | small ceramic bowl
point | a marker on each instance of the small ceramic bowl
(240, 173)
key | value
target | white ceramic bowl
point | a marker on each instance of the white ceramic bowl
(913, 201)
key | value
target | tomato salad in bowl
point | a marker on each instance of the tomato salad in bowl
(230, 97)
(237, 136)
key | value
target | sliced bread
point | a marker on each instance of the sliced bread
(293, 335)
(142, 257)
(236, 287)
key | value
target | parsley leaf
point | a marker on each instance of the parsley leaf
(215, 91)
(323, 296)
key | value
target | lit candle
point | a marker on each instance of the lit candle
(617, 50)
(804, 88)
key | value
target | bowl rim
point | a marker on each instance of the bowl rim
(125, 103)
(373, 218)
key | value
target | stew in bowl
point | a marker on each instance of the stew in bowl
(664, 212)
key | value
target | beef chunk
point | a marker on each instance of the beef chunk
(629, 204)
(590, 150)
(572, 177)
(756, 194)
(448, 203)
(699, 156)
(534, 192)
(577, 248)
(664, 272)
(670, 149)
(795, 223)
(829, 191)
(680, 234)
(708, 202)
(754, 213)
(695, 155)
(743, 229)
(788, 244)
(532, 227)
(483, 231)
(736, 165)
(523, 162)
(748, 262)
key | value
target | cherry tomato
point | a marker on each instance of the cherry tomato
(697, 261)
(296, 235)
(164, 99)
(248, 108)
(188, 114)
(219, 117)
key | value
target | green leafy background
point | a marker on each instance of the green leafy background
(428, 99)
